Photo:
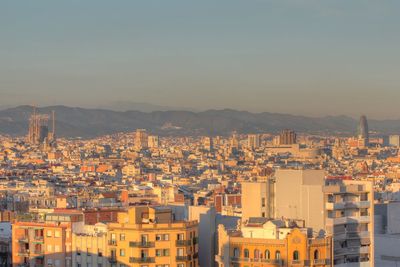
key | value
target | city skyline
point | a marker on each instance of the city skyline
(297, 57)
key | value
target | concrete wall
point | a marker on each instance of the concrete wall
(298, 195)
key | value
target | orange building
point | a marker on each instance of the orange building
(44, 243)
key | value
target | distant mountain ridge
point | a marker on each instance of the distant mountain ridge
(86, 123)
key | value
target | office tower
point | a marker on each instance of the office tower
(350, 219)
(287, 137)
(253, 141)
(150, 236)
(263, 242)
(208, 144)
(141, 139)
(394, 140)
(153, 141)
(257, 199)
(45, 243)
(298, 195)
(206, 216)
(362, 130)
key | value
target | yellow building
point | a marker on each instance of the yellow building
(264, 243)
(149, 236)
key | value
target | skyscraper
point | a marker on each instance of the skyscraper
(362, 130)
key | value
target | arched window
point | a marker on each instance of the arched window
(236, 253)
(267, 254)
(246, 253)
(316, 254)
(277, 255)
(256, 254)
(296, 255)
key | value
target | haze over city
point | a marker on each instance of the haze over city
(300, 57)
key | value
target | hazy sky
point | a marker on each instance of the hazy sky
(302, 57)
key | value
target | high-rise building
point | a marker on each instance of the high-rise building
(253, 141)
(298, 195)
(141, 139)
(287, 137)
(150, 236)
(362, 130)
(350, 219)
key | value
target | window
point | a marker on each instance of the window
(144, 238)
(100, 253)
(277, 255)
(49, 233)
(267, 254)
(49, 248)
(246, 253)
(122, 252)
(296, 255)
(56, 233)
(236, 253)
(158, 237)
(263, 202)
(256, 254)
(166, 237)
(122, 237)
(180, 252)
(180, 237)
(166, 252)
(56, 248)
(180, 265)
(316, 254)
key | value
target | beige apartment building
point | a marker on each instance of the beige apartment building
(151, 237)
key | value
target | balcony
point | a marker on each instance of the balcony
(183, 243)
(23, 253)
(183, 258)
(236, 259)
(300, 262)
(142, 244)
(23, 239)
(321, 262)
(112, 242)
(272, 262)
(141, 260)
(39, 238)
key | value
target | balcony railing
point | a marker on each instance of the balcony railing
(112, 242)
(183, 258)
(142, 260)
(141, 244)
(183, 243)
(321, 262)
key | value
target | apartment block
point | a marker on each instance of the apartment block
(151, 237)
(350, 219)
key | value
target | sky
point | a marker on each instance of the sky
(302, 57)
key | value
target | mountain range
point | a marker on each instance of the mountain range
(86, 123)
